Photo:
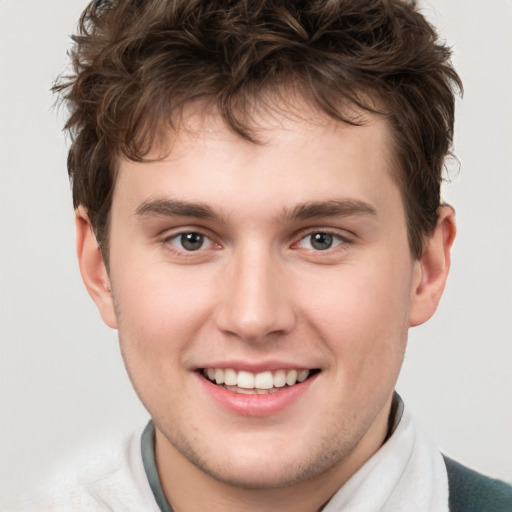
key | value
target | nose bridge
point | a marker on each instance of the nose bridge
(255, 299)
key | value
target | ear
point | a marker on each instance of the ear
(93, 269)
(431, 270)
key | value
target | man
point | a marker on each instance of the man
(258, 213)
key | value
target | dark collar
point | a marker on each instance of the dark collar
(148, 458)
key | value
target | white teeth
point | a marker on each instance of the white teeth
(219, 376)
(263, 381)
(291, 377)
(302, 375)
(230, 378)
(245, 380)
(279, 378)
(243, 391)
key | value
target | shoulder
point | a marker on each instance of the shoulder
(100, 478)
(470, 491)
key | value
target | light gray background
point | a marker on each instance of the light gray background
(62, 380)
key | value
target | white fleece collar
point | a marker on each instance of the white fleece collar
(407, 474)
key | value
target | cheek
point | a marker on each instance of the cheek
(362, 313)
(159, 309)
(158, 320)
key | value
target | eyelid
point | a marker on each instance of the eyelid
(342, 235)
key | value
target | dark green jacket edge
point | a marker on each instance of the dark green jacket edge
(470, 491)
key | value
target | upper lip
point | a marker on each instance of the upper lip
(256, 367)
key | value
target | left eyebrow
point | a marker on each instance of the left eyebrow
(331, 208)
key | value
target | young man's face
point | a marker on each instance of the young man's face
(256, 262)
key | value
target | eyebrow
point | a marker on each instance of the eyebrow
(172, 207)
(331, 208)
(303, 211)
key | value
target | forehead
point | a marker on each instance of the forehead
(299, 155)
(263, 120)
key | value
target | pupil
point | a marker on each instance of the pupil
(321, 241)
(192, 241)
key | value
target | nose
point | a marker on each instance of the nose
(255, 305)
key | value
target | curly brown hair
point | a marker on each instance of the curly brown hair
(137, 63)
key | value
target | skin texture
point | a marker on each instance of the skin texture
(258, 294)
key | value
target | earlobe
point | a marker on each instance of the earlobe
(431, 270)
(93, 269)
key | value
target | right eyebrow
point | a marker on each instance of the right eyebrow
(172, 207)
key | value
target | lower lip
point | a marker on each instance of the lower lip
(256, 405)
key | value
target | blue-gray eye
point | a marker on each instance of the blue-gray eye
(191, 241)
(321, 241)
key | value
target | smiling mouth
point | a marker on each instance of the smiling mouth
(262, 383)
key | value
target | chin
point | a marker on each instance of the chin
(277, 466)
(261, 475)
